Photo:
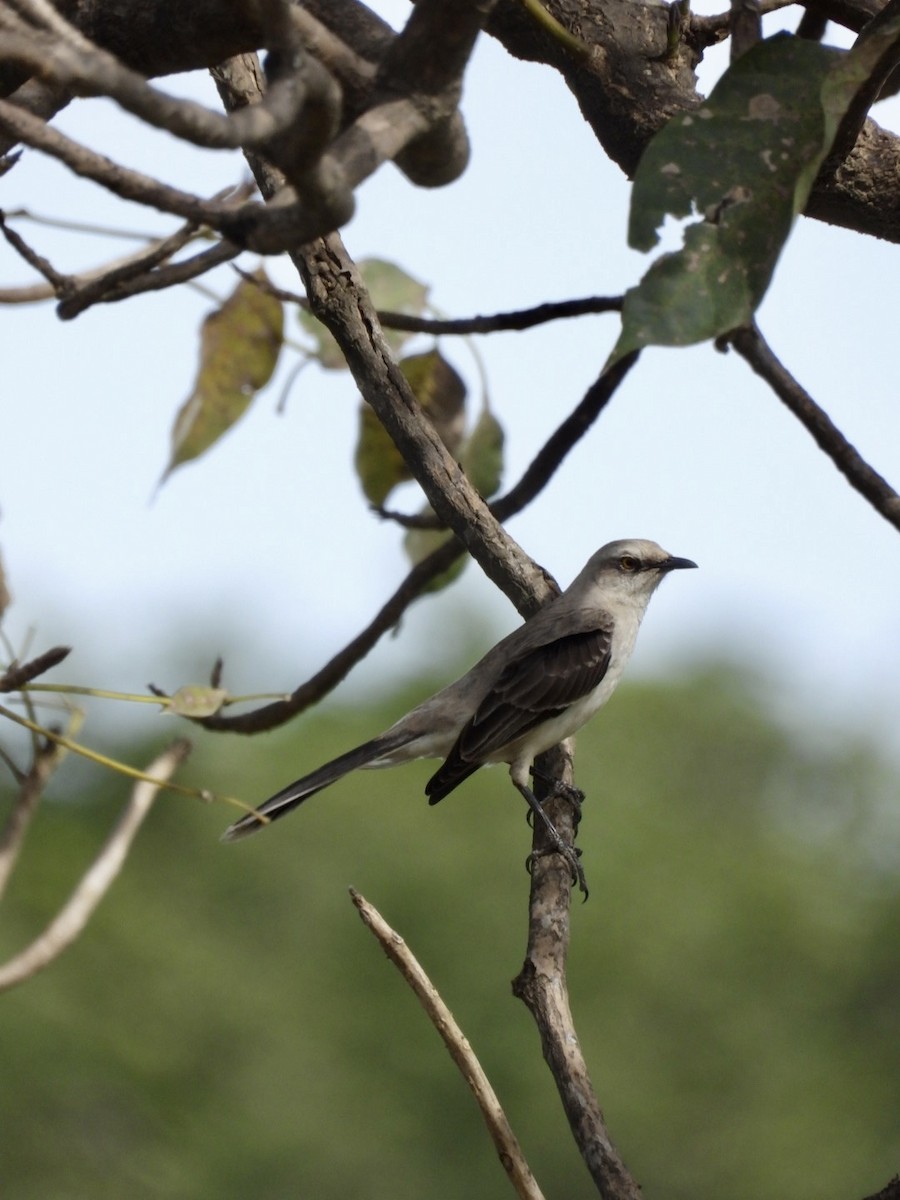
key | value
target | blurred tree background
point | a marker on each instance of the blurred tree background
(227, 1027)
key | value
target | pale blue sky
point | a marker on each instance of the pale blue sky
(268, 542)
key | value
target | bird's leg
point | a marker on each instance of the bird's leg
(558, 846)
(565, 791)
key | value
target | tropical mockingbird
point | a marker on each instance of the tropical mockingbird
(535, 688)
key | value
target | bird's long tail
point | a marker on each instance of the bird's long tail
(295, 793)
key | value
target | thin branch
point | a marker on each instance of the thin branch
(270, 716)
(130, 185)
(525, 318)
(508, 1149)
(855, 117)
(517, 320)
(77, 911)
(558, 445)
(19, 674)
(47, 757)
(548, 459)
(751, 345)
(116, 285)
(42, 265)
(536, 476)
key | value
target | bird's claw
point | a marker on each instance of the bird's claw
(571, 854)
(565, 791)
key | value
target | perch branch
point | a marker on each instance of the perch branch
(508, 1149)
(542, 986)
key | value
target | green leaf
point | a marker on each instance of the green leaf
(419, 543)
(379, 464)
(481, 454)
(393, 290)
(441, 393)
(326, 352)
(744, 163)
(240, 343)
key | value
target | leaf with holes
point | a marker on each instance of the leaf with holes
(743, 164)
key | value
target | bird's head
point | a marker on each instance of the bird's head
(632, 566)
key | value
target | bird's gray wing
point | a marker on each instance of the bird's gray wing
(532, 688)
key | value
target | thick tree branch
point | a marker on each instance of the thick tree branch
(626, 90)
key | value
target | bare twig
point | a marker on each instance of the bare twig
(508, 1149)
(561, 442)
(47, 757)
(751, 345)
(328, 677)
(517, 320)
(525, 318)
(40, 264)
(16, 676)
(78, 909)
(551, 455)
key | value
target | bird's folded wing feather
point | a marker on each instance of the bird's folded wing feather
(531, 689)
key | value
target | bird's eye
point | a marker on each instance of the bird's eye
(628, 562)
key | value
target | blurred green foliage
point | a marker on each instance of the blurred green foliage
(227, 1028)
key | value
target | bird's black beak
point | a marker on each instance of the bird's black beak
(675, 564)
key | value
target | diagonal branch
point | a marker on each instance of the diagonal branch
(508, 1149)
(551, 455)
(752, 346)
(423, 573)
(69, 922)
(270, 716)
